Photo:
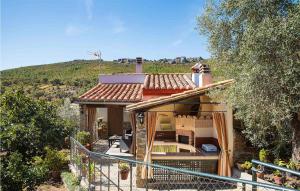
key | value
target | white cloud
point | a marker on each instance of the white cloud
(177, 42)
(72, 30)
(89, 8)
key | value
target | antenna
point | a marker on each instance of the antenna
(98, 55)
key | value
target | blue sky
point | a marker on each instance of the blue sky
(47, 31)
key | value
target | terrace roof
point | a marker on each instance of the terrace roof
(176, 97)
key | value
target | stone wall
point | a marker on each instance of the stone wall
(242, 150)
(141, 141)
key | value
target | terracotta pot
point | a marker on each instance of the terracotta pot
(55, 174)
(88, 146)
(124, 174)
(83, 172)
(260, 175)
(278, 180)
(84, 159)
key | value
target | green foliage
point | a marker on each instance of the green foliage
(280, 163)
(256, 43)
(277, 173)
(263, 155)
(70, 180)
(246, 165)
(83, 137)
(27, 126)
(292, 164)
(55, 160)
(123, 166)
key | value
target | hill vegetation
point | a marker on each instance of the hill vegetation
(69, 79)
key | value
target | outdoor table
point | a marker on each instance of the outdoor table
(112, 139)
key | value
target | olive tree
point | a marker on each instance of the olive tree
(257, 44)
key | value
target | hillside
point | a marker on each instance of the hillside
(70, 79)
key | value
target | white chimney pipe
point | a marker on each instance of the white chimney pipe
(201, 75)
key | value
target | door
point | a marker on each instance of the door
(115, 120)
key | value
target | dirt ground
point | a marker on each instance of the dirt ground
(52, 187)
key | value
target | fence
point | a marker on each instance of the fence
(99, 171)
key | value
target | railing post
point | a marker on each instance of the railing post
(100, 169)
(89, 170)
(169, 178)
(254, 177)
(118, 176)
(130, 176)
(243, 187)
(108, 183)
(146, 177)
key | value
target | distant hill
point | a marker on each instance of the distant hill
(70, 79)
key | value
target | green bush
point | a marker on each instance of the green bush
(70, 181)
(83, 137)
(263, 155)
(246, 165)
(55, 160)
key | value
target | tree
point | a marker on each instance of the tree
(257, 44)
(27, 126)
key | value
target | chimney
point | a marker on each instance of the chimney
(201, 75)
(139, 65)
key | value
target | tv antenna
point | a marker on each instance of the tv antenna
(98, 55)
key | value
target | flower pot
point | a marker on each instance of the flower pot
(278, 180)
(260, 175)
(124, 174)
(83, 172)
(88, 146)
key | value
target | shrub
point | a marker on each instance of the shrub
(83, 137)
(263, 155)
(55, 160)
(56, 82)
(246, 165)
(71, 182)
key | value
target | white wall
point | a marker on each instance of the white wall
(102, 112)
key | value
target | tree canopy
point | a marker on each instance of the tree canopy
(257, 44)
(27, 126)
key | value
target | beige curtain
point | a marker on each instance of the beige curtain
(133, 126)
(91, 111)
(151, 128)
(219, 121)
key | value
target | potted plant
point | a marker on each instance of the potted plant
(263, 155)
(291, 165)
(247, 167)
(124, 170)
(84, 138)
(278, 178)
(55, 161)
(260, 172)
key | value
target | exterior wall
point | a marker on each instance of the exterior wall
(82, 116)
(141, 141)
(122, 78)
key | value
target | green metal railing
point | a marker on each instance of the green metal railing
(201, 181)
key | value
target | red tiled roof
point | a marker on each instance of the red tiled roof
(114, 93)
(168, 82)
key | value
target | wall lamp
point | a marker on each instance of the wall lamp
(141, 117)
